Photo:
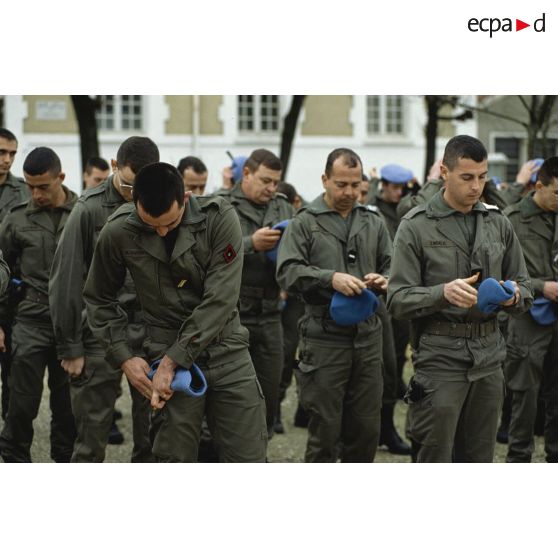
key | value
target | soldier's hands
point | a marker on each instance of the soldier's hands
(2, 341)
(136, 370)
(525, 172)
(550, 290)
(516, 294)
(265, 239)
(73, 366)
(376, 281)
(460, 293)
(162, 391)
(347, 284)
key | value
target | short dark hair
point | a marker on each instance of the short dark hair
(41, 160)
(193, 163)
(156, 187)
(136, 152)
(463, 147)
(548, 171)
(263, 157)
(350, 158)
(7, 135)
(288, 190)
(97, 163)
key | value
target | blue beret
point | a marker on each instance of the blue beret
(272, 254)
(544, 311)
(396, 174)
(538, 162)
(192, 382)
(491, 293)
(237, 166)
(497, 180)
(351, 310)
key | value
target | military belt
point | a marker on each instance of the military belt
(34, 295)
(265, 293)
(470, 330)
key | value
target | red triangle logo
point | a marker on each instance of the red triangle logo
(519, 25)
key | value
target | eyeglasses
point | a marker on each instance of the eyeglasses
(122, 183)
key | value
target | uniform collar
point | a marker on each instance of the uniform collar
(318, 206)
(529, 208)
(71, 198)
(12, 181)
(437, 206)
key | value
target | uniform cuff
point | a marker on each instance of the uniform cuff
(326, 278)
(180, 356)
(70, 350)
(118, 354)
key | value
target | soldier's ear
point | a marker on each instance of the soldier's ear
(324, 180)
(444, 171)
(187, 196)
(113, 165)
(61, 176)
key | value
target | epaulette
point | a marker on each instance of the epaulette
(514, 208)
(491, 207)
(19, 205)
(124, 209)
(373, 208)
(415, 211)
(207, 201)
(92, 192)
(282, 196)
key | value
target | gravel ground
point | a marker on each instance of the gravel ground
(287, 448)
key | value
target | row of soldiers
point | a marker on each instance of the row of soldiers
(172, 280)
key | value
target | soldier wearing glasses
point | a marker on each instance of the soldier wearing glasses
(94, 383)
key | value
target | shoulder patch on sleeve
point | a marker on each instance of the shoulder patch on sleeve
(229, 254)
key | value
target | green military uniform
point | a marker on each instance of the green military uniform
(4, 275)
(340, 375)
(95, 391)
(189, 309)
(533, 348)
(491, 195)
(28, 238)
(259, 302)
(456, 394)
(12, 192)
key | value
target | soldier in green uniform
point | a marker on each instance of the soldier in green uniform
(184, 254)
(28, 238)
(259, 207)
(94, 383)
(441, 250)
(393, 179)
(13, 191)
(335, 244)
(532, 357)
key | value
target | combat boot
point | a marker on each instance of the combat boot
(388, 434)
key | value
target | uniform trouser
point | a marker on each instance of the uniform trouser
(290, 315)
(266, 351)
(5, 365)
(235, 410)
(26, 388)
(93, 396)
(532, 361)
(341, 389)
(456, 420)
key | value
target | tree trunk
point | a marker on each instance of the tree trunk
(85, 107)
(289, 129)
(432, 108)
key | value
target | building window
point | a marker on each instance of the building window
(258, 113)
(119, 113)
(385, 115)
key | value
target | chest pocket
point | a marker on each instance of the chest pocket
(32, 241)
(326, 250)
(492, 259)
(441, 262)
